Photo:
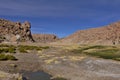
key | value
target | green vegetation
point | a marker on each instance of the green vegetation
(4, 57)
(5, 45)
(59, 78)
(7, 48)
(4, 48)
(106, 52)
(25, 48)
(81, 49)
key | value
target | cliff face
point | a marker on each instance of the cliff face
(44, 38)
(13, 31)
(103, 35)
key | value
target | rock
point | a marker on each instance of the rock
(45, 38)
(109, 35)
(8, 76)
(11, 30)
(13, 65)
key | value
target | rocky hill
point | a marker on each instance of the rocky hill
(109, 34)
(44, 38)
(14, 31)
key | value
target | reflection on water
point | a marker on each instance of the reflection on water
(36, 75)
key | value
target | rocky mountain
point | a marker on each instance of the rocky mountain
(44, 38)
(109, 34)
(15, 31)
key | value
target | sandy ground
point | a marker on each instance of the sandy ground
(58, 62)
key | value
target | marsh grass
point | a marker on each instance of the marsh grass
(106, 52)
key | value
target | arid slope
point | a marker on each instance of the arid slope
(109, 34)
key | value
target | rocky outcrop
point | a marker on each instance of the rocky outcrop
(44, 38)
(15, 31)
(103, 35)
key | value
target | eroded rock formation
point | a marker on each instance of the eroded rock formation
(15, 31)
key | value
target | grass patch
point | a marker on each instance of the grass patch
(59, 78)
(24, 48)
(106, 52)
(4, 48)
(5, 45)
(4, 57)
(7, 50)
(81, 49)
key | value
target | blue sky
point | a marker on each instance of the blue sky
(61, 17)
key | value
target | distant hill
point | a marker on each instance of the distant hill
(45, 38)
(16, 31)
(109, 34)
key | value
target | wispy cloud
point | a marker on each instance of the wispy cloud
(58, 8)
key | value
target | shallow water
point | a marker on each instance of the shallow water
(36, 75)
